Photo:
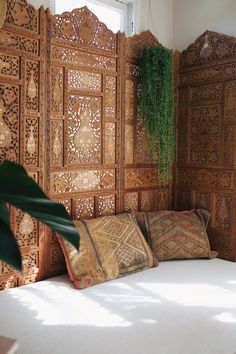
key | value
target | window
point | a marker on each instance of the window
(116, 14)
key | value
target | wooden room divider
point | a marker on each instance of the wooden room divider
(68, 112)
(205, 173)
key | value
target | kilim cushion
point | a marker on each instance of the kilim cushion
(178, 235)
(110, 246)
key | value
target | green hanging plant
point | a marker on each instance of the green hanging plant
(156, 105)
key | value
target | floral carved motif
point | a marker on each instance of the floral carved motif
(230, 101)
(206, 93)
(31, 142)
(32, 79)
(81, 26)
(136, 43)
(9, 65)
(22, 14)
(210, 46)
(57, 84)
(84, 130)
(224, 207)
(131, 201)
(87, 60)
(205, 178)
(105, 205)
(9, 122)
(12, 40)
(204, 134)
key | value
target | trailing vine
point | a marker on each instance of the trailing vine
(156, 105)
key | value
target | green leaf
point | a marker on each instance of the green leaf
(9, 250)
(4, 213)
(20, 190)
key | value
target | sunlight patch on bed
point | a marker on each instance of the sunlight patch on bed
(193, 294)
(67, 306)
(227, 317)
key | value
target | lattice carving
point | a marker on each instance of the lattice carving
(205, 178)
(140, 177)
(84, 59)
(30, 261)
(222, 243)
(31, 142)
(223, 217)
(129, 144)
(56, 141)
(26, 229)
(9, 65)
(69, 182)
(32, 78)
(203, 200)
(182, 129)
(22, 14)
(230, 101)
(229, 140)
(9, 122)
(12, 40)
(136, 43)
(143, 149)
(57, 90)
(6, 268)
(82, 27)
(57, 257)
(105, 205)
(132, 69)
(206, 93)
(204, 135)
(110, 143)
(83, 208)
(110, 98)
(7, 284)
(210, 46)
(83, 80)
(131, 201)
(224, 71)
(84, 130)
(129, 100)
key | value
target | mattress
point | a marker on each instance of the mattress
(180, 307)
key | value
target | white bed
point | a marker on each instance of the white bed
(180, 307)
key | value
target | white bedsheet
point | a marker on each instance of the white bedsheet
(180, 307)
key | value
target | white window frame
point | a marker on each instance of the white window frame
(129, 8)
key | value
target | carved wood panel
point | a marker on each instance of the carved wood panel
(68, 113)
(205, 170)
(22, 117)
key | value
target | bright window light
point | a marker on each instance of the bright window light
(114, 14)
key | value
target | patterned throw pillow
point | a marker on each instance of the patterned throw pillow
(178, 235)
(110, 246)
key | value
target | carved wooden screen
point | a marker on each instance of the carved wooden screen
(141, 190)
(68, 114)
(84, 127)
(21, 124)
(206, 135)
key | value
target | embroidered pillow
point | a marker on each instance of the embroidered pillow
(110, 246)
(178, 235)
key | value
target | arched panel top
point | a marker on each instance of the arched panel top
(22, 14)
(136, 43)
(82, 27)
(209, 47)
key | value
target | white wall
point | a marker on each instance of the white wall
(157, 16)
(38, 3)
(193, 17)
